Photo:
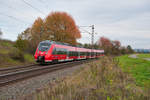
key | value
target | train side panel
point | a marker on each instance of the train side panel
(57, 52)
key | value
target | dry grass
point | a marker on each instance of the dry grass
(101, 80)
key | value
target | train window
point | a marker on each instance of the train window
(72, 53)
(82, 53)
(44, 46)
(76, 53)
(59, 51)
(92, 53)
(62, 51)
(89, 54)
(54, 51)
(65, 51)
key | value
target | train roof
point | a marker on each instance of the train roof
(61, 43)
(67, 44)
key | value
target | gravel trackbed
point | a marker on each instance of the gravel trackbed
(29, 86)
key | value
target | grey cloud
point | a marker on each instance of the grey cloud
(124, 20)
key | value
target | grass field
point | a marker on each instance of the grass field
(143, 55)
(138, 68)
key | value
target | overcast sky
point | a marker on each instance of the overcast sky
(125, 20)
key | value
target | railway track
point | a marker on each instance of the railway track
(15, 69)
(15, 76)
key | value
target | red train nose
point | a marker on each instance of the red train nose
(42, 53)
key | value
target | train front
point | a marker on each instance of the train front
(42, 53)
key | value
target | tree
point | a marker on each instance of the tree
(105, 44)
(94, 46)
(1, 33)
(37, 32)
(116, 44)
(25, 35)
(21, 44)
(116, 47)
(25, 42)
(123, 50)
(59, 26)
(129, 49)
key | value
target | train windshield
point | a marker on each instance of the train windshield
(44, 46)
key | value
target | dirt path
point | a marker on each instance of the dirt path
(147, 59)
(135, 56)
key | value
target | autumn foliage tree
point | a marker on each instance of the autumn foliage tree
(116, 47)
(37, 32)
(113, 47)
(57, 26)
(105, 44)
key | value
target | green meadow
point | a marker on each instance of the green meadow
(138, 68)
(143, 55)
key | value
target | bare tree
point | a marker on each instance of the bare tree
(1, 33)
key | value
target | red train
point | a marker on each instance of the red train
(51, 51)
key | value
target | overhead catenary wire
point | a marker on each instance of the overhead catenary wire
(85, 31)
(44, 3)
(38, 10)
(7, 5)
(10, 7)
(40, 1)
(91, 33)
(14, 18)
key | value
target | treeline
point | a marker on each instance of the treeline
(113, 47)
(110, 47)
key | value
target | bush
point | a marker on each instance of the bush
(16, 54)
(25, 46)
(21, 44)
(2, 58)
